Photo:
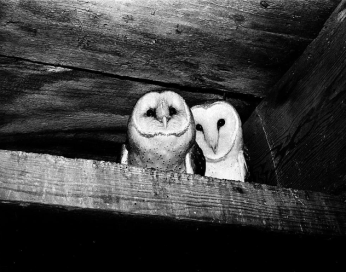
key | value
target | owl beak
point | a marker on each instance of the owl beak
(212, 140)
(164, 121)
(163, 113)
(214, 148)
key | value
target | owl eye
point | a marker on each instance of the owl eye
(199, 127)
(172, 111)
(151, 113)
(220, 123)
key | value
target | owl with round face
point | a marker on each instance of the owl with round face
(219, 135)
(161, 134)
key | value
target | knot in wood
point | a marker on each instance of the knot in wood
(264, 4)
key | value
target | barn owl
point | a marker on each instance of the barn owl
(161, 134)
(219, 134)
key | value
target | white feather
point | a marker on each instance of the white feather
(124, 155)
(222, 145)
(161, 133)
(188, 164)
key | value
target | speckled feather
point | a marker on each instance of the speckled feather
(163, 144)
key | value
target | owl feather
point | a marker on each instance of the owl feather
(161, 134)
(219, 134)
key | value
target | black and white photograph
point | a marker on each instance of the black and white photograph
(170, 135)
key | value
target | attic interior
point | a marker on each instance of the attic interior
(71, 72)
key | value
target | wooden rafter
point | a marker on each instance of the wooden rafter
(296, 136)
(238, 47)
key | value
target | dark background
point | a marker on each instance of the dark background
(36, 238)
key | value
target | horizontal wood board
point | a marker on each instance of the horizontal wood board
(28, 178)
(235, 46)
(302, 121)
(76, 113)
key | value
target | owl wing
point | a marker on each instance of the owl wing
(242, 165)
(195, 161)
(124, 155)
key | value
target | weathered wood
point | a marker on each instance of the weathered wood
(236, 46)
(77, 183)
(256, 143)
(76, 113)
(302, 124)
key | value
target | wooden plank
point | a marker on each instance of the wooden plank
(76, 113)
(236, 46)
(257, 152)
(303, 119)
(98, 185)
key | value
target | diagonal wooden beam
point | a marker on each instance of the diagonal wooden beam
(29, 178)
(296, 136)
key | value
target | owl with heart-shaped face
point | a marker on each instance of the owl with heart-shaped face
(161, 134)
(219, 135)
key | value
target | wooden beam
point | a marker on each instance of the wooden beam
(28, 178)
(55, 110)
(238, 46)
(296, 136)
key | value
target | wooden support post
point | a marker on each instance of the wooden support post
(296, 136)
(28, 178)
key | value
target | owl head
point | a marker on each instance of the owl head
(164, 113)
(158, 116)
(218, 129)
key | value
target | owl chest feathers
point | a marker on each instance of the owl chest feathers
(232, 167)
(165, 152)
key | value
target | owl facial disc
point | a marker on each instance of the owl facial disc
(218, 126)
(166, 112)
(161, 134)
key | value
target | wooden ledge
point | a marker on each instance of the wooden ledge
(27, 178)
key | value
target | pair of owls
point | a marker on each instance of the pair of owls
(164, 133)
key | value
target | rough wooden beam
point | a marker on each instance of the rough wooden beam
(76, 183)
(237, 46)
(296, 136)
(49, 109)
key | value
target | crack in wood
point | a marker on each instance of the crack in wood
(272, 155)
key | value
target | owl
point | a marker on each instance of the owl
(219, 135)
(161, 133)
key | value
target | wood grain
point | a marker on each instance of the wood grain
(258, 152)
(75, 113)
(98, 185)
(303, 119)
(236, 46)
